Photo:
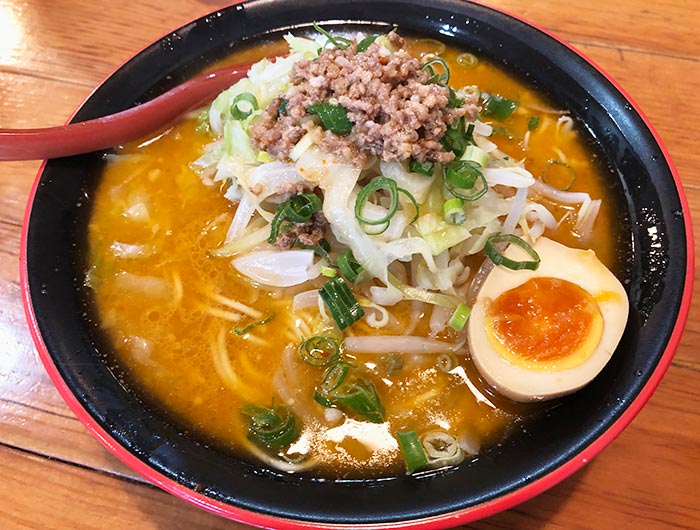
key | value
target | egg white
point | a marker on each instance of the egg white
(580, 267)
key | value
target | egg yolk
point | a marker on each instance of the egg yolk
(544, 324)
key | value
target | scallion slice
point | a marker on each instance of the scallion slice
(275, 428)
(424, 168)
(302, 206)
(467, 60)
(337, 41)
(453, 101)
(334, 377)
(319, 350)
(499, 108)
(246, 329)
(333, 117)
(459, 317)
(439, 79)
(476, 155)
(298, 208)
(498, 258)
(364, 43)
(349, 267)
(457, 136)
(445, 362)
(341, 303)
(361, 397)
(243, 105)
(461, 178)
(533, 123)
(453, 211)
(412, 450)
(559, 175)
(390, 186)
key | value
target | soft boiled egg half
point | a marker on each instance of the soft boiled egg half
(539, 334)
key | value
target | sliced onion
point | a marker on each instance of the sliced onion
(482, 129)
(244, 213)
(128, 251)
(149, 286)
(274, 178)
(282, 268)
(305, 299)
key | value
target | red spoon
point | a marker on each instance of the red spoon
(116, 129)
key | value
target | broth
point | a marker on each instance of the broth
(169, 307)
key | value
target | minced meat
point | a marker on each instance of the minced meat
(395, 114)
(308, 234)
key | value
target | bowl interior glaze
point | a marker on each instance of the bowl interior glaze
(551, 447)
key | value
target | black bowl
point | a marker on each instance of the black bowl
(658, 265)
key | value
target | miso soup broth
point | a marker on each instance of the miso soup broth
(249, 365)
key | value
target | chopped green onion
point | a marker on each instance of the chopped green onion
(446, 362)
(453, 101)
(475, 154)
(321, 249)
(333, 117)
(328, 272)
(424, 168)
(334, 377)
(298, 208)
(248, 100)
(390, 186)
(364, 43)
(361, 397)
(459, 317)
(282, 109)
(467, 60)
(439, 79)
(246, 329)
(558, 175)
(533, 123)
(349, 267)
(462, 174)
(275, 428)
(460, 179)
(453, 211)
(442, 449)
(349, 393)
(412, 450)
(499, 259)
(339, 42)
(319, 350)
(499, 108)
(457, 137)
(302, 206)
(341, 303)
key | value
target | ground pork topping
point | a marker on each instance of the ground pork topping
(395, 114)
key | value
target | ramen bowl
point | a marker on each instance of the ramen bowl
(656, 259)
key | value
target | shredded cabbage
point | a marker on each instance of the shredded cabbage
(432, 248)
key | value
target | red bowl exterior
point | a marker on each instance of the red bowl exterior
(444, 520)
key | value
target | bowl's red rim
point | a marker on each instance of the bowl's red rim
(463, 516)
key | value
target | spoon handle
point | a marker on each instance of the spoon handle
(119, 128)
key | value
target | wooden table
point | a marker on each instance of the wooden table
(53, 474)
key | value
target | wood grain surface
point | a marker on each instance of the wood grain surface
(53, 474)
